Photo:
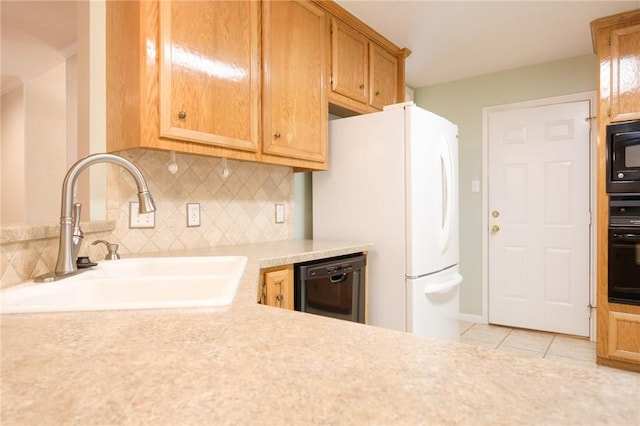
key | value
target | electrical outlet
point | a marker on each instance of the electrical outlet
(137, 220)
(279, 213)
(193, 214)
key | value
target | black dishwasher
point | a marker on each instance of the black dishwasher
(333, 287)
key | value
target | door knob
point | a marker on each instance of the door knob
(495, 228)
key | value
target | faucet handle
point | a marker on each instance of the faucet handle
(112, 248)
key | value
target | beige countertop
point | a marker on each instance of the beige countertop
(253, 364)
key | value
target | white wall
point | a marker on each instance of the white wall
(12, 156)
(34, 148)
(45, 144)
(50, 122)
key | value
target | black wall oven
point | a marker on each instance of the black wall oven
(624, 250)
(623, 157)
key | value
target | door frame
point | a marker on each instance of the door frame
(486, 111)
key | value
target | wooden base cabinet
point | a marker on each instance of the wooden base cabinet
(624, 336)
(616, 41)
(276, 287)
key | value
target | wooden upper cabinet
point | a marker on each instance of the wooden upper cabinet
(209, 72)
(184, 76)
(616, 41)
(246, 80)
(383, 77)
(349, 62)
(295, 105)
(367, 71)
(625, 73)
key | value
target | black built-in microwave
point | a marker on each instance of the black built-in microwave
(623, 157)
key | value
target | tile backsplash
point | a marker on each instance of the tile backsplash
(237, 210)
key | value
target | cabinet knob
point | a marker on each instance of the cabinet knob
(495, 229)
(377, 93)
(362, 85)
(277, 135)
(279, 298)
(182, 114)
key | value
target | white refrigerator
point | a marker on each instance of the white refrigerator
(393, 181)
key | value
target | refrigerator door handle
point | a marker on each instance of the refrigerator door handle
(444, 286)
(447, 195)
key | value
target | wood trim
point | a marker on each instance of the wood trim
(602, 213)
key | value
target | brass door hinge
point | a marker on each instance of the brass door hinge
(263, 295)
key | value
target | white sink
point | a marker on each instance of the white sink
(136, 283)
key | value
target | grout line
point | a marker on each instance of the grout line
(546, 351)
(505, 338)
(465, 332)
(553, 338)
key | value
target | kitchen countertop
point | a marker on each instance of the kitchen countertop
(254, 364)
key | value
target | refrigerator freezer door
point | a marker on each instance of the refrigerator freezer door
(431, 192)
(432, 305)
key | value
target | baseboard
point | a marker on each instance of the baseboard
(470, 318)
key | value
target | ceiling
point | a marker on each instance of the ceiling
(450, 40)
(36, 35)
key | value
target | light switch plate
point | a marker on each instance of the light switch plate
(137, 220)
(279, 213)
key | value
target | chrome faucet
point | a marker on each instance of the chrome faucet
(71, 235)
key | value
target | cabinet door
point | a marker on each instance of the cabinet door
(349, 62)
(624, 336)
(209, 72)
(295, 107)
(383, 75)
(277, 287)
(625, 73)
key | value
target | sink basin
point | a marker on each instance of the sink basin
(136, 283)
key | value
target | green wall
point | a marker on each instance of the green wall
(462, 102)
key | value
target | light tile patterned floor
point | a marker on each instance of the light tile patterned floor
(534, 344)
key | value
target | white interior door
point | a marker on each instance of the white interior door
(539, 217)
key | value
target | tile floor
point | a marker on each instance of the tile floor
(534, 344)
